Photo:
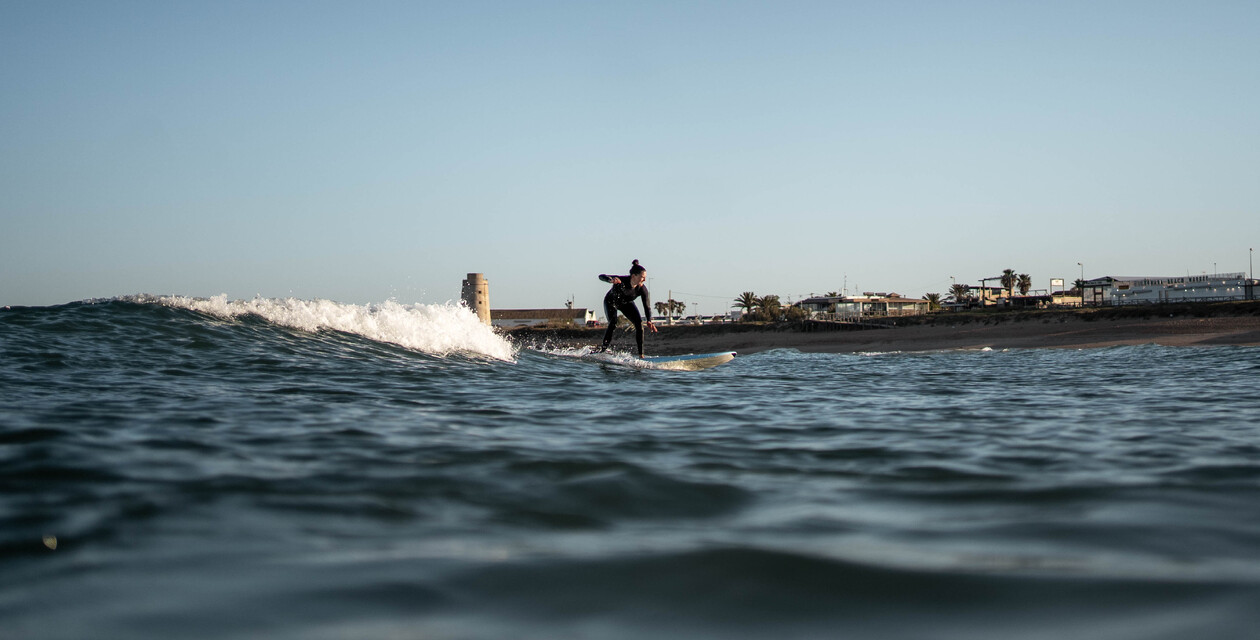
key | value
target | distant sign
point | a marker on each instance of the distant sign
(1056, 282)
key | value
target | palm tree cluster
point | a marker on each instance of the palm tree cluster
(670, 308)
(1010, 281)
(767, 308)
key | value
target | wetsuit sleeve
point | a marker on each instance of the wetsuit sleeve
(647, 303)
(605, 277)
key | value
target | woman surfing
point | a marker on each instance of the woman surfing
(621, 298)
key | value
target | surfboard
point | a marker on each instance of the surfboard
(691, 362)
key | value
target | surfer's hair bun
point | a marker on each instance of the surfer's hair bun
(635, 267)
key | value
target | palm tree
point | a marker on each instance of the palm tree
(1008, 281)
(934, 301)
(770, 306)
(1024, 284)
(661, 308)
(676, 306)
(746, 301)
(960, 292)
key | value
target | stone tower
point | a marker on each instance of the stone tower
(476, 294)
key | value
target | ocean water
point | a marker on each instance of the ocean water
(180, 468)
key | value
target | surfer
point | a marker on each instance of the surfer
(621, 298)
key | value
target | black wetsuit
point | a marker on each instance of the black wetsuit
(621, 298)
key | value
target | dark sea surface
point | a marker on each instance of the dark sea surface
(179, 468)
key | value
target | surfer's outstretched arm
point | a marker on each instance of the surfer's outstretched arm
(647, 309)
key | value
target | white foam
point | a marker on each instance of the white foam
(439, 329)
(606, 357)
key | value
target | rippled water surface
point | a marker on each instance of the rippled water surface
(286, 469)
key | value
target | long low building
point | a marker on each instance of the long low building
(511, 318)
(1116, 290)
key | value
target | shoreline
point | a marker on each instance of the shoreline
(1236, 324)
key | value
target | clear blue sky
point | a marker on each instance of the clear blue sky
(361, 151)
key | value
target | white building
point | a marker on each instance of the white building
(1117, 290)
(511, 318)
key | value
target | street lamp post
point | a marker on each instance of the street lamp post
(1082, 286)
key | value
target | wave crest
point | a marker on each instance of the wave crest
(439, 329)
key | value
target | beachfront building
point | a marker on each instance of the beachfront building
(511, 318)
(1120, 290)
(1069, 298)
(975, 297)
(1033, 301)
(987, 296)
(867, 305)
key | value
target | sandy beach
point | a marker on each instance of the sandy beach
(1183, 327)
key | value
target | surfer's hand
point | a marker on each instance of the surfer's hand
(616, 280)
(652, 325)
